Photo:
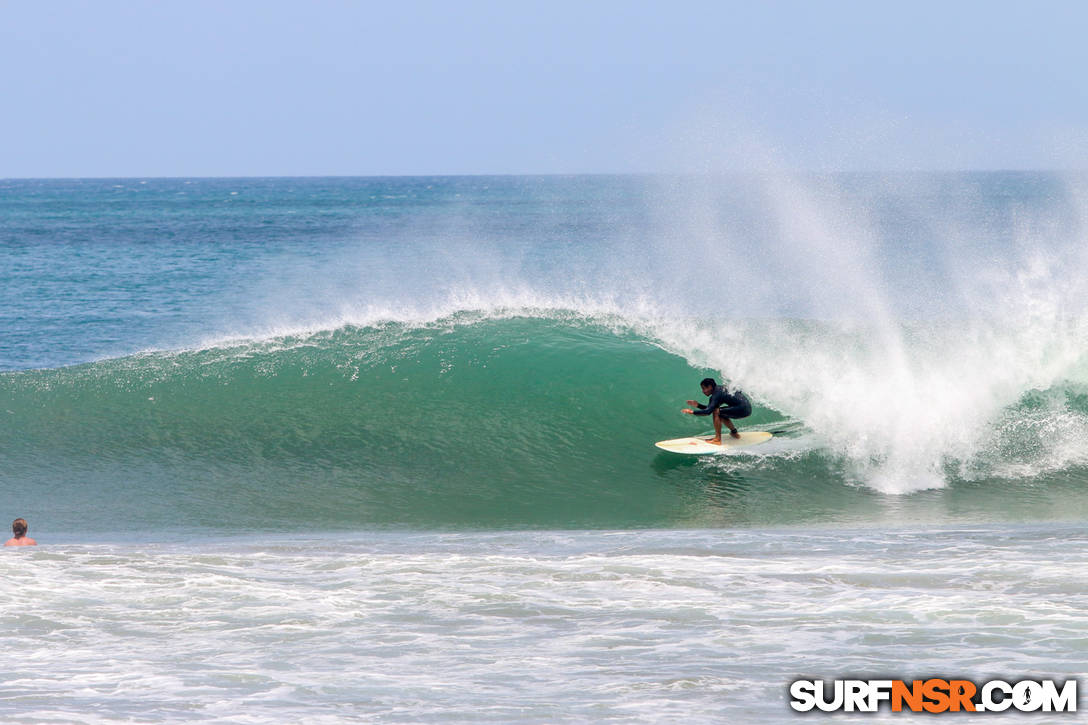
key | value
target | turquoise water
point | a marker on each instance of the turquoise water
(467, 423)
(398, 428)
(285, 354)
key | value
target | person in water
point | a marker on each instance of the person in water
(19, 527)
(723, 405)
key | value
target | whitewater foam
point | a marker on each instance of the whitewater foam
(640, 626)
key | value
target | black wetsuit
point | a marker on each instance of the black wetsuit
(728, 405)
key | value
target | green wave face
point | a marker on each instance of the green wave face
(501, 423)
(460, 423)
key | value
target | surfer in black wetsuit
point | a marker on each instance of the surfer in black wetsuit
(723, 405)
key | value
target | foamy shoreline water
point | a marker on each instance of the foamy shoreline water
(639, 626)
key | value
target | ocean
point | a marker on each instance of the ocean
(381, 449)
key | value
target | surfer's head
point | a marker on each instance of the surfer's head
(708, 385)
(18, 527)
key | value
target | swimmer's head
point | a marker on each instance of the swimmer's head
(18, 527)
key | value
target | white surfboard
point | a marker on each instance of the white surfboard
(701, 447)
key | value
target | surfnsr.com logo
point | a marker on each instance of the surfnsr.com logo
(934, 695)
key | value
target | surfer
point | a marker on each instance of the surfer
(19, 527)
(723, 405)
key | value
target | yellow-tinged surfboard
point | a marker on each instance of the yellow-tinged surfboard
(700, 446)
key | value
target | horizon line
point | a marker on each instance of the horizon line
(730, 172)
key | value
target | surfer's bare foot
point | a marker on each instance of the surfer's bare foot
(734, 434)
(715, 441)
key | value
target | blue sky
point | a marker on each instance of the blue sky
(274, 88)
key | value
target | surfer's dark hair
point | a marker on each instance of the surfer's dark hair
(708, 381)
(18, 527)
